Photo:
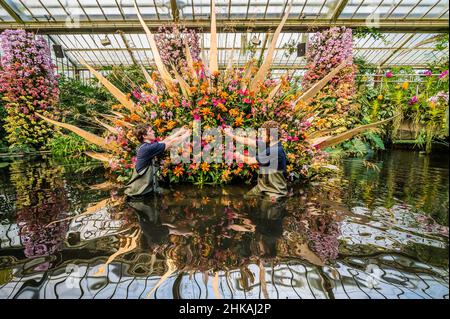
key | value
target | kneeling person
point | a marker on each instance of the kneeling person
(271, 160)
(144, 178)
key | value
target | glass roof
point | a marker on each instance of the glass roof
(98, 10)
(397, 49)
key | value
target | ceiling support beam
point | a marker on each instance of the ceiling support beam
(10, 11)
(396, 50)
(128, 48)
(338, 10)
(175, 11)
(261, 25)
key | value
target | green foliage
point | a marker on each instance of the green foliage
(374, 33)
(125, 78)
(82, 99)
(70, 145)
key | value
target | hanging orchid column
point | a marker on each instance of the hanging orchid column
(326, 50)
(28, 84)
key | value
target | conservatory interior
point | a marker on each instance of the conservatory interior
(130, 149)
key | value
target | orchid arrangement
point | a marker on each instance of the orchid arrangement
(326, 50)
(171, 41)
(175, 96)
(28, 84)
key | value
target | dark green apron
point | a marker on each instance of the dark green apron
(272, 184)
(144, 182)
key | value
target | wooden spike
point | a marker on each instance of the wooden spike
(327, 141)
(190, 61)
(103, 157)
(88, 136)
(262, 72)
(213, 64)
(230, 60)
(110, 128)
(313, 90)
(121, 97)
(165, 75)
(183, 85)
(149, 80)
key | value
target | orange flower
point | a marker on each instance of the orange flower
(222, 107)
(205, 167)
(178, 171)
(193, 89)
(135, 117)
(202, 102)
(239, 121)
(405, 85)
(223, 95)
(216, 73)
(157, 122)
(206, 111)
(233, 112)
(171, 125)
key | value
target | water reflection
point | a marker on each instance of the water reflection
(356, 234)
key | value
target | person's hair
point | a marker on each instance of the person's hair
(268, 125)
(139, 131)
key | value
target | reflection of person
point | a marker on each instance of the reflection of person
(154, 233)
(269, 226)
(144, 179)
(272, 161)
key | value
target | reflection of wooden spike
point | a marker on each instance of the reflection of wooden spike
(171, 268)
(313, 90)
(215, 285)
(88, 136)
(99, 156)
(90, 210)
(262, 72)
(121, 97)
(310, 256)
(104, 186)
(262, 280)
(327, 141)
(165, 75)
(149, 80)
(213, 64)
(128, 243)
(190, 62)
(110, 128)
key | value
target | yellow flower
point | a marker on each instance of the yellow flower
(405, 85)
(239, 121)
(380, 97)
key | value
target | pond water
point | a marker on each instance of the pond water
(363, 232)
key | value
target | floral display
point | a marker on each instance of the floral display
(28, 84)
(419, 100)
(42, 200)
(171, 41)
(236, 97)
(326, 50)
